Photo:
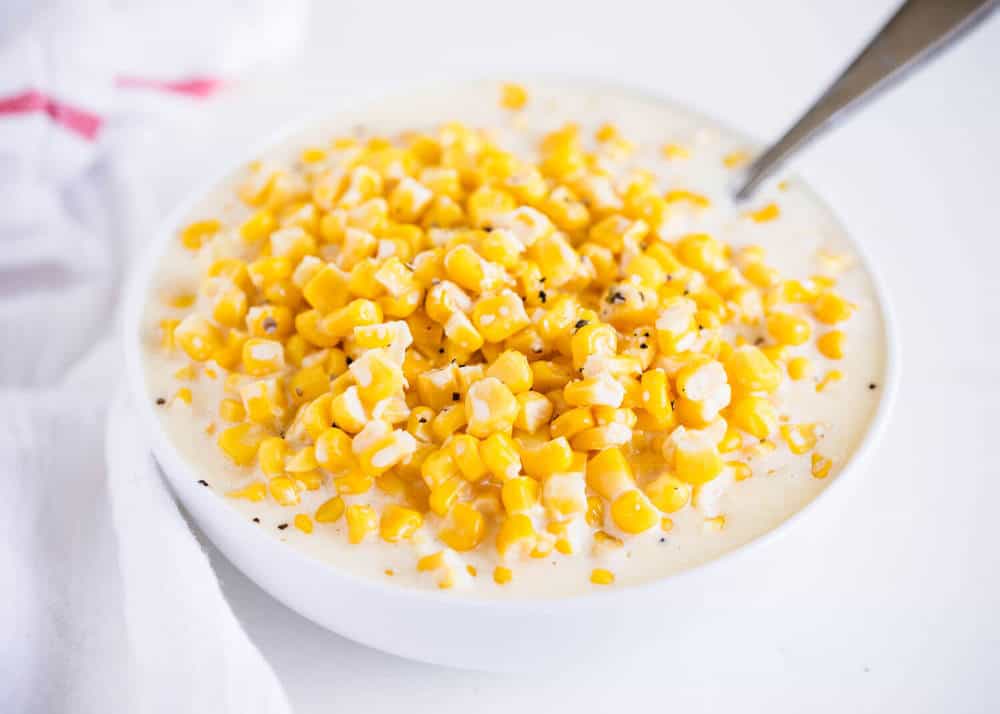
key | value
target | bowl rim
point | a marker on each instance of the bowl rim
(140, 279)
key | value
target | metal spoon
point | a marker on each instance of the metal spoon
(918, 30)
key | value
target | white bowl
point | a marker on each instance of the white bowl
(440, 627)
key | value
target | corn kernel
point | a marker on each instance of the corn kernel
(361, 521)
(821, 466)
(831, 344)
(602, 576)
(464, 528)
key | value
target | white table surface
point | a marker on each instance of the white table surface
(889, 602)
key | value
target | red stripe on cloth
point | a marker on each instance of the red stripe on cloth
(79, 121)
(197, 87)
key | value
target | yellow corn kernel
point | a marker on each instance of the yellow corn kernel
(348, 412)
(593, 339)
(516, 536)
(399, 523)
(765, 213)
(513, 96)
(489, 407)
(821, 466)
(361, 520)
(547, 458)
(609, 473)
(595, 512)
(408, 200)
(254, 492)
(749, 370)
(831, 344)
(830, 308)
(696, 458)
(330, 510)
(602, 576)
(668, 493)
(715, 524)
(603, 390)
(283, 491)
(731, 441)
(462, 333)
(499, 316)
(239, 443)
(788, 329)
(464, 527)
(500, 456)
(572, 422)
(198, 338)
(754, 415)
(438, 468)
(798, 368)
(258, 227)
(512, 368)
(632, 512)
(444, 212)
(303, 523)
(834, 375)
(263, 400)
(555, 256)
(601, 437)
(502, 575)
(195, 234)
(262, 357)
(741, 471)
(419, 423)
(184, 395)
(465, 453)
(354, 482)
(519, 494)
(231, 410)
(271, 456)
(443, 497)
(533, 411)
(327, 290)
(617, 231)
(800, 438)
(431, 562)
(449, 420)
(547, 376)
(675, 152)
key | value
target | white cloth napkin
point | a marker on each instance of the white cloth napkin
(109, 604)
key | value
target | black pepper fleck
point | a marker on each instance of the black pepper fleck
(282, 526)
(423, 420)
(686, 291)
(663, 540)
(759, 341)
(350, 361)
(455, 396)
(161, 401)
(440, 350)
(203, 482)
(643, 346)
(542, 296)
(580, 323)
(614, 297)
(872, 385)
(256, 520)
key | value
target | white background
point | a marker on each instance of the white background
(885, 602)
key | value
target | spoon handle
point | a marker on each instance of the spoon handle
(918, 30)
